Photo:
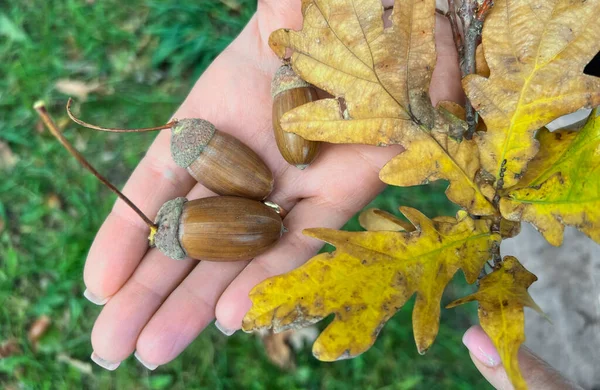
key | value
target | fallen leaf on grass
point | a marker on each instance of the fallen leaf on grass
(83, 367)
(77, 88)
(233, 5)
(38, 329)
(9, 347)
(280, 347)
(53, 201)
(7, 158)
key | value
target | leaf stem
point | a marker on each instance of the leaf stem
(496, 257)
(113, 130)
(40, 107)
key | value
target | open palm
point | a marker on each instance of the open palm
(156, 306)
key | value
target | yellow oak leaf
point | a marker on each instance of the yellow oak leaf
(380, 79)
(375, 220)
(368, 278)
(536, 55)
(481, 66)
(382, 74)
(502, 295)
(436, 157)
(562, 184)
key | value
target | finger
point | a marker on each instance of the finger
(446, 77)
(337, 197)
(185, 313)
(122, 240)
(276, 14)
(121, 320)
(538, 374)
(160, 331)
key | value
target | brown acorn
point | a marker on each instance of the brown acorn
(290, 91)
(217, 160)
(220, 228)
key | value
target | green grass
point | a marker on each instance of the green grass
(146, 55)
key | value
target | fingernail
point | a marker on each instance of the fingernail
(480, 346)
(94, 299)
(225, 331)
(104, 363)
(149, 366)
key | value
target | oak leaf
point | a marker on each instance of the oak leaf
(380, 80)
(440, 156)
(502, 295)
(536, 55)
(369, 277)
(382, 74)
(562, 184)
(375, 220)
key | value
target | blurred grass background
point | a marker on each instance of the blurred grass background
(135, 61)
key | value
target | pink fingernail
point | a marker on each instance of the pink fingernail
(225, 331)
(149, 366)
(110, 366)
(93, 298)
(480, 345)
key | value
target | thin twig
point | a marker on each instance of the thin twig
(40, 107)
(472, 16)
(496, 257)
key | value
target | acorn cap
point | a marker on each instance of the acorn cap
(189, 137)
(285, 79)
(167, 236)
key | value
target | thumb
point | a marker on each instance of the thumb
(537, 373)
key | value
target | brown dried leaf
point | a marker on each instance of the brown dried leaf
(83, 367)
(9, 347)
(7, 158)
(38, 329)
(77, 88)
(53, 201)
(278, 348)
(233, 5)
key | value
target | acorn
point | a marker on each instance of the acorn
(217, 160)
(220, 228)
(290, 91)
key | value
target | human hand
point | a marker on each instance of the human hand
(538, 374)
(156, 306)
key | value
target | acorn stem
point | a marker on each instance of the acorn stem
(40, 107)
(112, 130)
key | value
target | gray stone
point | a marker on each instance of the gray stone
(568, 290)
